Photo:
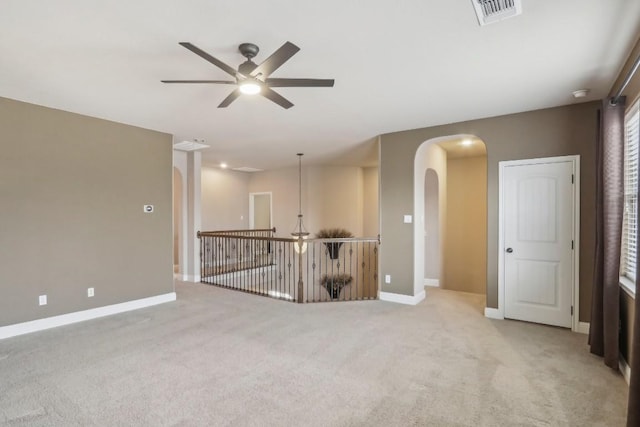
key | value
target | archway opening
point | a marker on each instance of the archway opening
(432, 224)
(450, 211)
(177, 219)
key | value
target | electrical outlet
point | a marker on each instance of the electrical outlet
(42, 300)
(387, 278)
(90, 292)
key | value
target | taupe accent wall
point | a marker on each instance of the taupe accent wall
(550, 132)
(72, 190)
(627, 313)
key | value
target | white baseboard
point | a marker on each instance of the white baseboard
(493, 313)
(80, 316)
(401, 298)
(432, 282)
(583, 328)
(624, 368)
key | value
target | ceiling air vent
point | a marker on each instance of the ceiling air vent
(490, 11)
(189, 146)
(247, 169)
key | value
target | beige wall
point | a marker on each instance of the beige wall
(332, 196)
(283, 185)
(225, 199)
(465, 254)
(261, 211)
(73, 189)
(370, 217)
(543, 133)
(335, 198)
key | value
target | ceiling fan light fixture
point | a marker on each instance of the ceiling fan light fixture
(250, 87)
(253, 79)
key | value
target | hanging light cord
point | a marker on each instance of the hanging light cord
(300, 232)
(300, 186)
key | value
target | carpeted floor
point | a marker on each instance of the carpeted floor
(223, 358)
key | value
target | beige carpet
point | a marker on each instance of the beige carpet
(223, 358)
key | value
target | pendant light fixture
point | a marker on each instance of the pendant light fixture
(300, 232)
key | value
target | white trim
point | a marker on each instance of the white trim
(625, 369)
(402, 299)
(194, 279)
(81, 316)
(575, 159)
(493, 313)
(583, 328)
(577, 325)
(432, 282)
(627, 286)
(500, 309)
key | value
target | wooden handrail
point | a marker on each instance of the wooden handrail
(219, 232)
(290, 239)
(241, 231)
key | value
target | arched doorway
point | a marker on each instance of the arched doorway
(450, 183)
(432, 224)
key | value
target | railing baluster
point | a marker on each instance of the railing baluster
(255, 261)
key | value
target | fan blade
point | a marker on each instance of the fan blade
(201, 53)
(219, 82)
(278, 58)
(275, 97)
(300, 82)
(229, 99)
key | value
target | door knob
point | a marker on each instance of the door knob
(509, 250)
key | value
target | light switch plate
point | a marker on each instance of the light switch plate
(408, 219)
(387, 278)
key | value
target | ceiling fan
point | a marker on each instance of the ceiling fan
(252, 78)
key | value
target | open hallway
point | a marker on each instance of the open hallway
(218, 357)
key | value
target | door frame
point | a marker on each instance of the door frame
(251, 208)
(576, 325)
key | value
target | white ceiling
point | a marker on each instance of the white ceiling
(397, 64)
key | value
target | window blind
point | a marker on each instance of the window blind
(629, 252)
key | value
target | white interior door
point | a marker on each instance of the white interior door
(538, 215)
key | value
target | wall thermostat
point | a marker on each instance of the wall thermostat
(148, 208)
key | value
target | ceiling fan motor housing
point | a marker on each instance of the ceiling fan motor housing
(248, 50)
(247, 67)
